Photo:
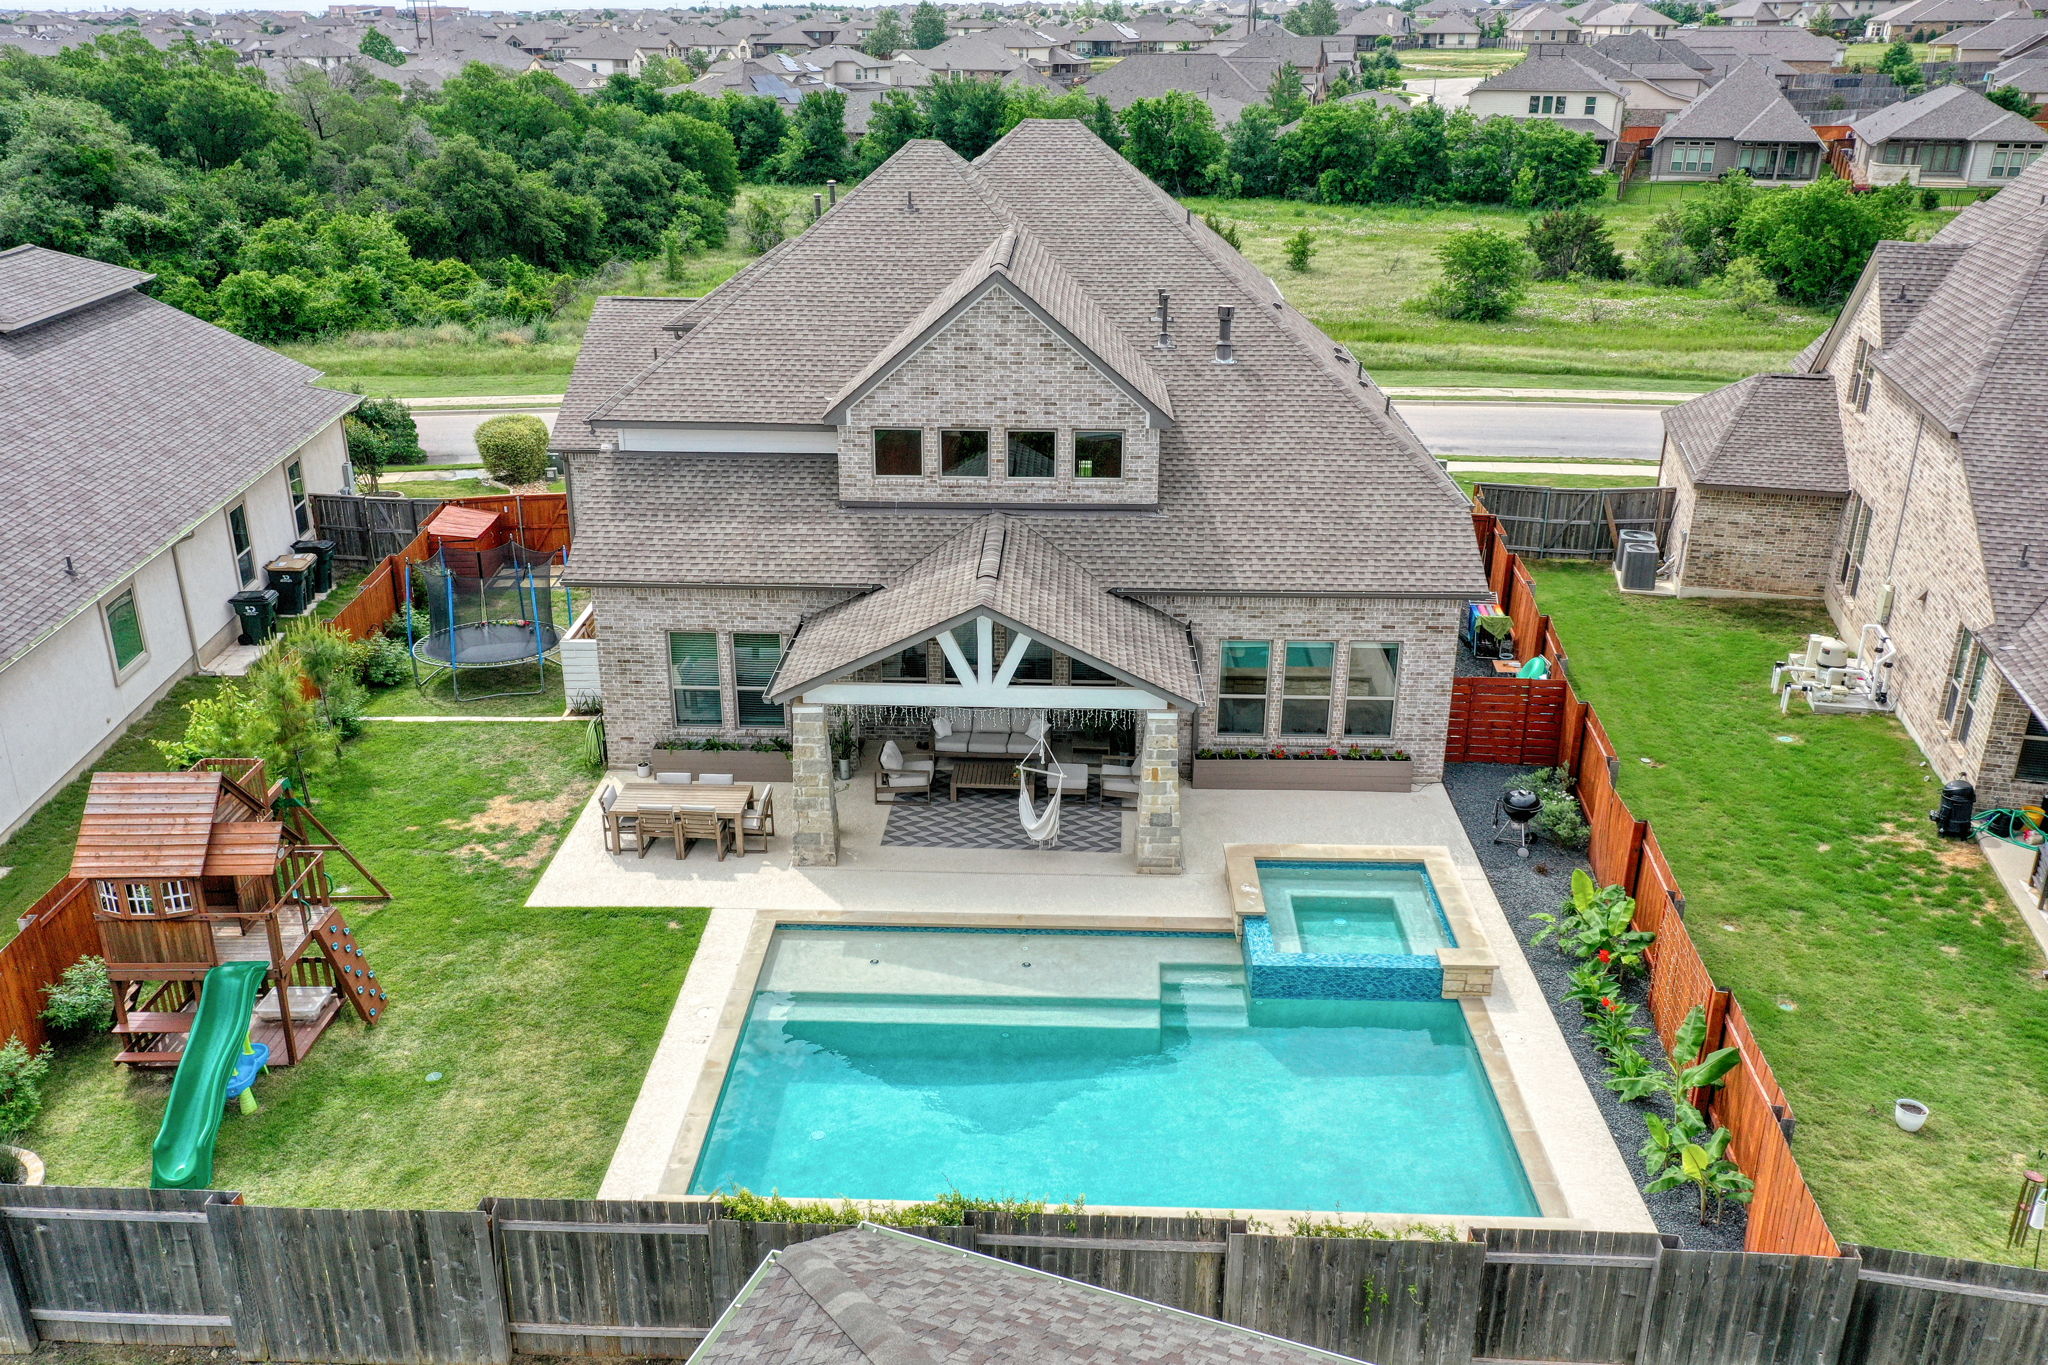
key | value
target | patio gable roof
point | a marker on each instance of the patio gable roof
(999, 570)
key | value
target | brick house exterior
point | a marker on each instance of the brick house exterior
(1059, 411)
(1936, 383)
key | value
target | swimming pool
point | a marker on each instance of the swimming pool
(1119, 1068)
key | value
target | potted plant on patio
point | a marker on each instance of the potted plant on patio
(845, 744)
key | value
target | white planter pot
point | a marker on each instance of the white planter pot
(1909, 1114)
(643, 770)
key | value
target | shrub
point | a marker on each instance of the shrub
(388, 665)
(1930, 200)
(1560, 820)
(1748, 290)
(21, 1086)
(1300, 248)
(82, 1000)
(1568, 242)
(1225, 229)
(763, 222)
(514, 448)
(381, 433)
(1664, 257)
(1486, 275)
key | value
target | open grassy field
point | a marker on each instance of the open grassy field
(1422, 63)
(1868, 55)
(1465, 480)
(516, 1040)
(1874, 960)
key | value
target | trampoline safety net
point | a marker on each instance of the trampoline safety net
(494, 610)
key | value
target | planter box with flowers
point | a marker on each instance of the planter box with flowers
(764, 760)
(1351, 768)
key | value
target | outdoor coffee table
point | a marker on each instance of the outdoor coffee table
(982, 775)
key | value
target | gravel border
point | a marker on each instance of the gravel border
(1540, 882)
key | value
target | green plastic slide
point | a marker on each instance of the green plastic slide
(182, 1158)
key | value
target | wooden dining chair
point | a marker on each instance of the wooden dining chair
(616, 830)
(657, 822)
(758, 820)
(704, 824)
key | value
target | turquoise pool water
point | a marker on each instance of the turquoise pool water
(1154, 1081)
(1333, 907)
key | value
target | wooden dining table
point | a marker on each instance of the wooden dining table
(729, 803)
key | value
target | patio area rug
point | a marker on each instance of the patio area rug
(989, 820)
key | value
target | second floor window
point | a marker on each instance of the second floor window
(899, 452)
(1549, 104)
(1032, 454)
(1864, 378)
(124, 628)
(1859, 537)
(1592, 105)
(963, 454)
(1098, 454)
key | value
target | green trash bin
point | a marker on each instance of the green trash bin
(291, 578)
(257, 612)
(323, 567)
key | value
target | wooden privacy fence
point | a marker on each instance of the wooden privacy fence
(58, 930)
(1561, 729)
(365, 530)
(1580, 523)
(649, 1278)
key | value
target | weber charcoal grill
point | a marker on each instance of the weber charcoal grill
(1512, 815)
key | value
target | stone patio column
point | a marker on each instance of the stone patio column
(1159, 794)
(816, 843)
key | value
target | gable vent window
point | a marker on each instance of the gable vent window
(963, 454)
(1864, 377)
(899, 452)
(2033, 766)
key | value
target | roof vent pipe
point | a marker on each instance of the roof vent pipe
(1224, 354)
(1164, 317)
(832, 194)
(817, 207)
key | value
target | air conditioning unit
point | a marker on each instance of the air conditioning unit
(1639, 565)
(1626, 538)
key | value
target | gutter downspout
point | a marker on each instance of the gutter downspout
(185, 601)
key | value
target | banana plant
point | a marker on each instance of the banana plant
(1704, 1072)
(1706, 1167)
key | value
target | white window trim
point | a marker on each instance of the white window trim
(127, 590)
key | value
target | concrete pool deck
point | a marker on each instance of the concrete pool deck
(1026, 889)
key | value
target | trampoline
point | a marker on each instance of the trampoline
(484, 619)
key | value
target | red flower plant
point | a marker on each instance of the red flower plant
(1607, 1003)
(1606, 956)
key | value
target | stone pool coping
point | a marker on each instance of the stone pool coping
(731, 1018)
(1469, 968)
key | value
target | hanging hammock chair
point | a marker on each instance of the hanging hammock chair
(1042, 828)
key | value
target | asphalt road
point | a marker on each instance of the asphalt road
(1554, 431)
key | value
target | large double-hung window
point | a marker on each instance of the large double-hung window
(1241, 705)
(693, 677)
(754, 657)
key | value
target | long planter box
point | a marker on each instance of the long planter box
(1308, 775)
(746, 765)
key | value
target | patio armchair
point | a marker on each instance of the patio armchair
(614, 833)
(693, 825)
(899, 775)
(758, 820)
(1121, 789)
(673, 779)
(657, 822)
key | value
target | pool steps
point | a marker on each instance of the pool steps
(1203, 997)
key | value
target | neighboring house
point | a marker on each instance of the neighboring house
(603, 54)
(1917, 21)
(1225, 84)
(1613, 21)
(1759, 13)
(981, 483)
(1950, 136)
(1795, 47)
(1995, 42)
(154, 464)
(1369, 25)
(1654, 73)
(1938, 529)
(878, 1295)
(2027, 74)
(1744, 123)
(1551, 83)
(1452, 30)
(1540, 24)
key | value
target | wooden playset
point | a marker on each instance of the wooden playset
(195, 869)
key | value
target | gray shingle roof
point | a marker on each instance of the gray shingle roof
(1786, 44)
(1747, 106)
(877, 1295)
(1775, 431)
(1551, 74)
(1224, 83)
(1000, 566)
(1286, 471)
(127, 422)
(37, 285)
(1946, 112)
(1904, 275)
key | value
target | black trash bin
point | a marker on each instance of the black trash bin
(1958, 805)
(323, 570)
(291, 576)
(257, 612)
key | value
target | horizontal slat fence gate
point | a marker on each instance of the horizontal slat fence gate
(1574, 522)
(118, 1265)
(580, 1275)
(1175, 1261)
(380, 1286)
(1742, 1308)
(1915, 1308)
(1565, 1295)
(1506, 720)
(1390, 1302)
(365, 530)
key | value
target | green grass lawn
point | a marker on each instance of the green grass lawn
(1868, 55)
(1420, 63)
(455, 488)
(1874, 960)
(1465, 481)
(517, 1038)
(437, 697)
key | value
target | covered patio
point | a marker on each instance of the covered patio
(994, 669)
